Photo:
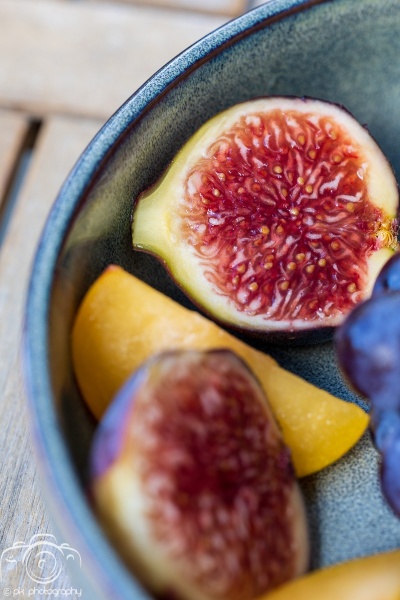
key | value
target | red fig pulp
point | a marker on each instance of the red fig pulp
(276, 215)
(200, 494)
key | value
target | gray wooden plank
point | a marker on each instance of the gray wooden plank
(13, 128)
(231, 8)
(64, 66)
(22, 511)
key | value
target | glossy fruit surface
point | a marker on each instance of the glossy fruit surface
(277, 215)
(122, 322)
(388, 279)
(368, 346)
(368, 349)
(198, 488)
(371, 578)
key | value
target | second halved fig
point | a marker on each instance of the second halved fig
(276, 216)
(194, 482)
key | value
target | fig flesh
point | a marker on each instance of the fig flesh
(193, 481)
(368, 349)
(276, 216)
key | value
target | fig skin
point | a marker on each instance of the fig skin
(286, 262)
(368, 350)
(194, 484)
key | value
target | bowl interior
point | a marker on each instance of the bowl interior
(344, 51)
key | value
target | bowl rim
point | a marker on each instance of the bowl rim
(63, 491)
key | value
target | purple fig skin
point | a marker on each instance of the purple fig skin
(108, 441)
(191, 478)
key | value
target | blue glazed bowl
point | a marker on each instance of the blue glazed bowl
(345, 51)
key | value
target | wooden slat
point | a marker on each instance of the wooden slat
(13, 129)
(22, 513)
(254, 3)
(231, 8)
(51, 61)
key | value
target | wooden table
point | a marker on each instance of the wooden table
(65, 67)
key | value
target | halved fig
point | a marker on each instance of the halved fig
(276, 216)
(193, 481)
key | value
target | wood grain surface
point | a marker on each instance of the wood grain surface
(13, 127)
(22, 513)
(65, 67)
(231, 8)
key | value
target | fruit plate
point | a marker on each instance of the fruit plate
(343, 51)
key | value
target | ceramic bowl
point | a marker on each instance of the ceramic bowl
(345, 51)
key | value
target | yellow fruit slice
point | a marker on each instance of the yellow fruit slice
(372, 578)
(122, 322)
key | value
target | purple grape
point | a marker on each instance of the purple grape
(368, 352)
(368, 349)
(388, 279)
(387, 439)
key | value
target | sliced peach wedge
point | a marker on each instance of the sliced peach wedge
(371, 578)
(122, 322)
